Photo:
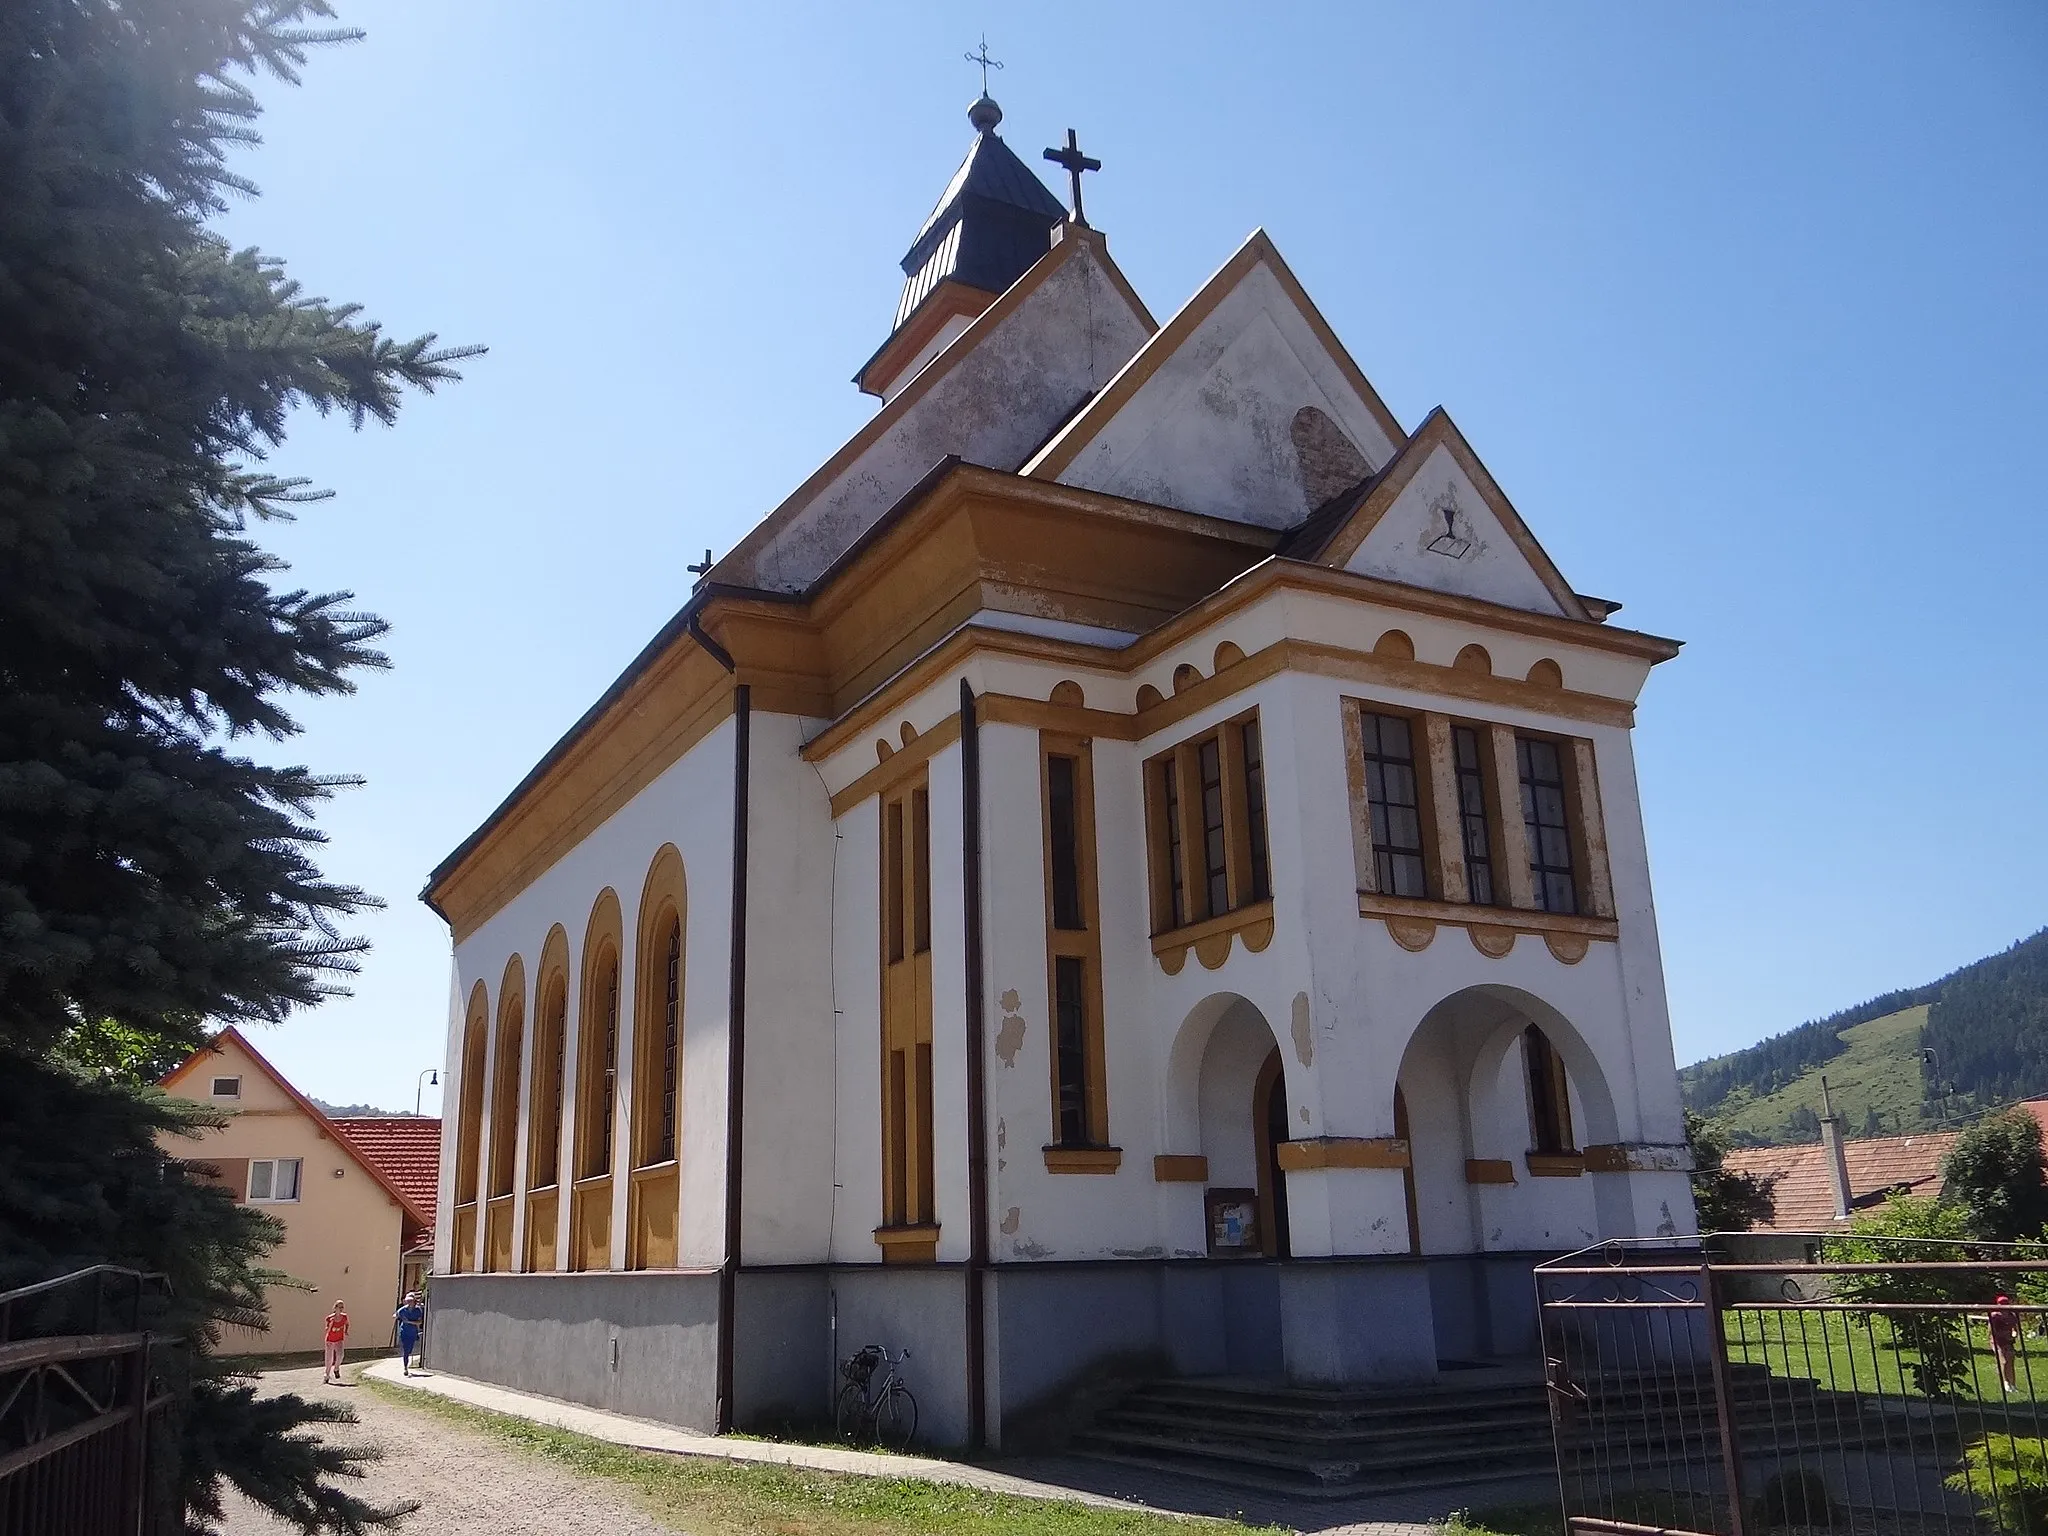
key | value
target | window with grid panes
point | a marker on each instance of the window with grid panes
(1207, 839)
(671, 1031)
(1080, 1106)
(1393, 792)
(1475, 835)
(1545, 817)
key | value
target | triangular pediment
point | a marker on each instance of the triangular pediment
(990, 396)
(1436, 518)
(1244, 405)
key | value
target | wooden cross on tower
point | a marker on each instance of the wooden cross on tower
(1074, 163)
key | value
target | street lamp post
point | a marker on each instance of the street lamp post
(431, 1075)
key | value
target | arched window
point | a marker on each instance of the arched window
(469, 1120)
(659, 1068)
(505, 1092)
(597, 1069)
(549, 1077)
(1550, 1102)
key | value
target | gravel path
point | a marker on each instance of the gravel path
(466, 1484)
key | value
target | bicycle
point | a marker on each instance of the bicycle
(875, 1404)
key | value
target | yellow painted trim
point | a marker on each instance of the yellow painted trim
(1489, 1170)
(1555, 1165)
(1180, 1168)
(909, 1245)
(904, 764)
(1517, 920)
(1344, 1152)
(1083, 1159)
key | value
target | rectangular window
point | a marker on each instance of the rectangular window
(892, 878)
(1175, 876)
(1215, 837)
(920, 871)
(1475, 834)
(1255, 810)
(1070, 1013)
(1064, 836)
(1393, 794)
(671, 1031)
(273, 1180)
(226, 1088)
(1080, 1112)
(1207, 836)
(1541, 768)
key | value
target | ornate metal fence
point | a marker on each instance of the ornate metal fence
(1738, 1384)
(76, 1400)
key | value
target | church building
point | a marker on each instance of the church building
(1136, 861)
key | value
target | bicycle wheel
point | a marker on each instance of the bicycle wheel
(896, 1418)
(851, 1421)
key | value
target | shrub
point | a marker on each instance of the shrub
(2006, 1476)
(1796, 1496)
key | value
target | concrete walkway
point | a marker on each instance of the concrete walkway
(641, 1434)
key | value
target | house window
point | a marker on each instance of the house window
(226, 1088)
(1393, 792)
(505, 1098)
(909, 1195)
(1475, 834)
(1206, 808)
(597, 1077)
(273, 1180)
(547, 1094)
(1073, 944)
(1255, 809)
(671, 1030)
(658, 1037)
(1550, 1104)
(1547, 824)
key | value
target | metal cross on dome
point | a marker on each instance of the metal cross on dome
(1074, 163)
(981, 57)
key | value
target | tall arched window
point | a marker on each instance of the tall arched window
(545, 1106)
(506, 1076)
(597, 1074)
(658, 1068)
(655, 1202)
(549, 1077)
(469, 1126)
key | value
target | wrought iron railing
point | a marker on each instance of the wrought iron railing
(1739, 1384)
(77, 1395)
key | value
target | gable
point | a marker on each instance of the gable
(1243, 406)
(990, 397)
(1435, 518)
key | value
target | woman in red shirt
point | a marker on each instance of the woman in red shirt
(337, 1336)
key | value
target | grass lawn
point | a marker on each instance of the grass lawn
(721, 1498)
(1845, 1354)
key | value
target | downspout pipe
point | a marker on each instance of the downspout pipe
(736, 1028)
(977, 1073)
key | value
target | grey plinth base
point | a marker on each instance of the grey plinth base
(1356, 1324)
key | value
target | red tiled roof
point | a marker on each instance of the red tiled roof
(406, 1149)
(1805, 1193)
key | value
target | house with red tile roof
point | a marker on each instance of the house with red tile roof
(355, 1197)
(1803, 1182)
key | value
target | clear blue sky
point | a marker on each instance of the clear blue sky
(1746, 306)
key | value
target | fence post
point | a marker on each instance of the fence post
(1724, 1397)
(138, 1451)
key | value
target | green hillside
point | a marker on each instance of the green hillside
(1987, 1024)
(1875, 1085)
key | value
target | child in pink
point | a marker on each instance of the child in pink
(337, 1336)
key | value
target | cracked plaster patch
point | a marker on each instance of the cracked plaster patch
(1304, 1036)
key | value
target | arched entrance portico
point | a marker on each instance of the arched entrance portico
(1227, 1097)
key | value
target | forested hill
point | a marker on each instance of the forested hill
(1987, 1024)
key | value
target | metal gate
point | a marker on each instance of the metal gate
(76, 1400)
(1738, 1384)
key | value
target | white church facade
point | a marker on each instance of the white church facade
(1137, 859)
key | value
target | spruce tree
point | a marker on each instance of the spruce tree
(157, 880)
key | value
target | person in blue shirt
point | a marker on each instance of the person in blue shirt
(410, 1317)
